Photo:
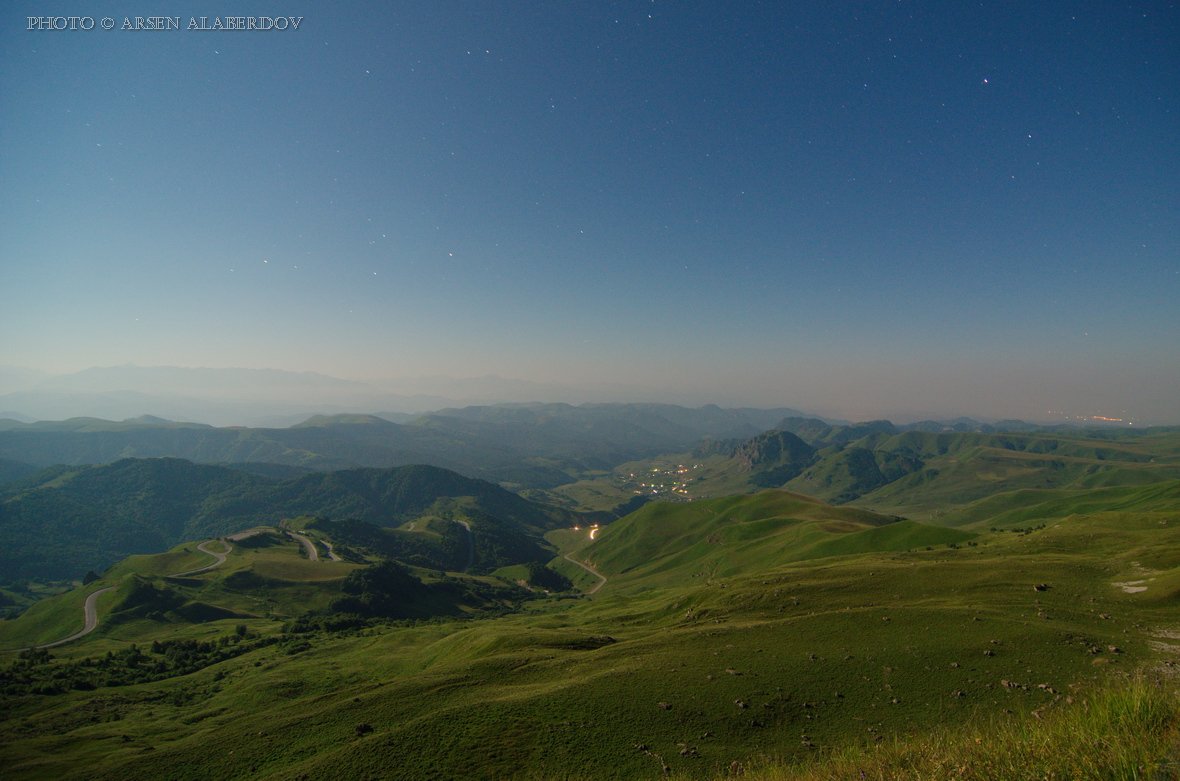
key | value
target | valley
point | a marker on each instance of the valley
(584, 391)
(414, 623)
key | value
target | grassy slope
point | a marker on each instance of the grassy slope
(1138, 721)
(958, 471)
(724, 536)
(710, 666)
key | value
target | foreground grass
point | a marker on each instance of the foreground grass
(1128, 731)
(729, 631)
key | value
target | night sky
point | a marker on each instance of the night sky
(859, 209)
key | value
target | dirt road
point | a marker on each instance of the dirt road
(90, 621)
(203, 548)
(308, 546)
(591, 570)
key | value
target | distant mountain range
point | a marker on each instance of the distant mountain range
(522, 446)
(530, 445)
(219, 396)
(263, 397)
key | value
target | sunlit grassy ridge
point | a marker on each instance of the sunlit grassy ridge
(749, 533)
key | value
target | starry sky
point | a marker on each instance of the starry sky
(858, 209)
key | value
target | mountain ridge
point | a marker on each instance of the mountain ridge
(71, 519)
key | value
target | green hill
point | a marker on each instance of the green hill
(768, 635)
(75, 520)
(664, 544)
(799, 632)
(960, 466)
(914, 473)
(11, 471)
(728, 631)
(72, 520)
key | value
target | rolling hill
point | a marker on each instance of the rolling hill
(731, 634)
(67, 520)
(764, 633)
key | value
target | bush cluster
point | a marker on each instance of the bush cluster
(36, 671)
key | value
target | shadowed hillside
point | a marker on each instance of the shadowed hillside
(70, 520)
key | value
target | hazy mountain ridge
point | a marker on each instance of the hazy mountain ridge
(536, 445)
(272, 397)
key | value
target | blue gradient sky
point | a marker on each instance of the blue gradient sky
(860, 209)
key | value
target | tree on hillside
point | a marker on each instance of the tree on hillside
(385, 590)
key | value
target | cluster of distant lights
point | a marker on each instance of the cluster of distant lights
(678, 487)
(1093, 418)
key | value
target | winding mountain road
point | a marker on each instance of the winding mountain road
(591, 570)
(90, 621)
(220, 558)
(90, 608)
(308, 546)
